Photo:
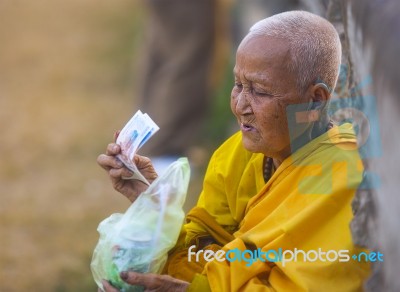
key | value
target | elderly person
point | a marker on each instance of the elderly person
(283, 183)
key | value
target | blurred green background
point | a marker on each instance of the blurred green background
(67, 82)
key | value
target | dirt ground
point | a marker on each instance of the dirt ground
(66, 84)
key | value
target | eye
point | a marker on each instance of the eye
(238, 85)
(260, 92)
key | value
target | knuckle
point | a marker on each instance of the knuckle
(113, 172)
(117, 163)
(146, 159)
(110, 147)
(101, 160)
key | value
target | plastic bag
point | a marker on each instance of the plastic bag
(140, 239)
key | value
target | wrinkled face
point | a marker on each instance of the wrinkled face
(263, 88)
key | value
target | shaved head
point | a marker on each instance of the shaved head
(314, 46)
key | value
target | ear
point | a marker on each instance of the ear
(318, 96)
(319, 93)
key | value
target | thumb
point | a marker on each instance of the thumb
(134, 278)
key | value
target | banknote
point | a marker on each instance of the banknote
(139, 129)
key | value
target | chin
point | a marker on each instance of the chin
(259, 147)
(251, 146)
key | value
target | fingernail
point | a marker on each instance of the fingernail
(124, 275)
(129, 175)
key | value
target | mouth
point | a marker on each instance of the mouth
(246, 127)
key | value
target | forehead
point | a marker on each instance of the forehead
(262, 56)
(262, 43)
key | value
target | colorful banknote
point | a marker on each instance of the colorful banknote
(134, 135)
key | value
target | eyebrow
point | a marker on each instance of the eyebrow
(255, 78)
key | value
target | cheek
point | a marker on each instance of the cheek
(278, 113)
(281, 127)
(273, 119)
(233, 101)
(268, 112)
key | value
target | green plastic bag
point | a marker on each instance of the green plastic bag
(140, 239)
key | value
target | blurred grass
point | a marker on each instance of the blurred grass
(221, 123)
(66, 84)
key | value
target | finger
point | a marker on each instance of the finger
(147, 280)
(119, 173)
(107, 162)
(108, 287)
(113, 149)
(142, 162)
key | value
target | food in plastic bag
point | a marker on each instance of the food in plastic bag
(140, 239)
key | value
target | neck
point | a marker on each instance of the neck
(277, 163)
(316, 130)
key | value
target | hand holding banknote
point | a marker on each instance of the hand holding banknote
(118, 172)
(129, 172)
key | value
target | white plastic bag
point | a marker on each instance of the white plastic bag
(140, 239)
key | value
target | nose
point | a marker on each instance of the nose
(243, 105)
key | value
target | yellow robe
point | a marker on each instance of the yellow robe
(306, 205)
